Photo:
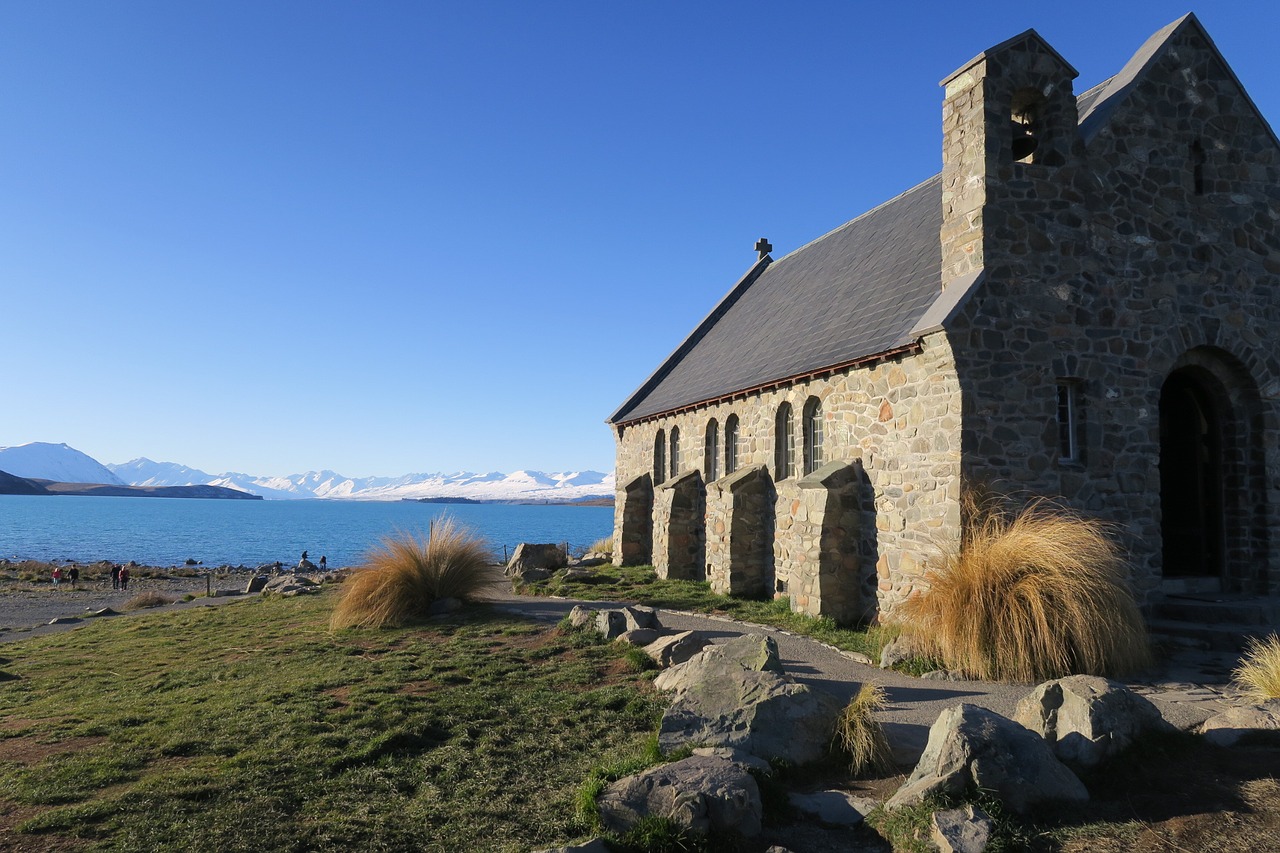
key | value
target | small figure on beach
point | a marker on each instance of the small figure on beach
(305, 565)
(324, 563)
(73, 575)
(115, 577)
(124, 577)
(57, 576)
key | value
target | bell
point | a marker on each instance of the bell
(1024, 142)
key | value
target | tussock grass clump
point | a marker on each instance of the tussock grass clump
(601, 546)
(1035, 594)
(1258, 675)
(859, 734)
(143, 600)
(403, 576)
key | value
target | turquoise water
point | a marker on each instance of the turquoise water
(160, 531)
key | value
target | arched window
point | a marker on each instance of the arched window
(784, 447)
(731, 445)
(1025, 125)
(812, 435)
(659, 457)
(711, 451)
(675, 450)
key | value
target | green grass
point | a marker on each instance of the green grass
(251, 727)
(639, 584)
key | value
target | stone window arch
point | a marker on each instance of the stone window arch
(675, 450)
(659, 457)
(711, 451)
(1026, 126)
(784, 443)
(730, 444)
(812, 432)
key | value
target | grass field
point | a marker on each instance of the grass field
(251, 727)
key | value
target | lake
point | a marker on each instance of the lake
(168, 531)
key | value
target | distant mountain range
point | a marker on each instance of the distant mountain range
(59, 462)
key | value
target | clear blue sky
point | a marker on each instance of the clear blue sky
(410, 236)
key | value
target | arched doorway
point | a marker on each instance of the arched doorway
(1193, 412)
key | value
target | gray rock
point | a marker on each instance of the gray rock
(641, 617)
(1244, 724)
(761, 712)
(578, 576)
(611, 624)
(858, 657)
(106, 611)
(1087, 719)
(963, 830)
(444, 606)
(833, 808)
(745, 760)
(748, 652)
(675, 649)
(531, 575)
(970, 747)
(639, 636)
(896, 652)
(64, 620)
(532, 556)
(256, 584)
(285, 583)
(708, 795)
(580, 616)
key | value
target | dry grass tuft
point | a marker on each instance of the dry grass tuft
(403, 576)
(860, 735)
(601, 546)
(1035, 594)
(1258, 675)
(143, 600)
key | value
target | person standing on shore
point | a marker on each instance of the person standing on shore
(115, 577)
(57, 576)
(124, 577)
(324, 563)
(73, 574)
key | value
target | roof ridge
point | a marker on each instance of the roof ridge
(860, 216)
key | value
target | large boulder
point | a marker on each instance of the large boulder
(1087, 719)
(1249, 724)
(532, 557)
(256, 584)
(748, 652)
(701, 793)
(675, 649)
(963, 830)
(972, 748)
(760, 712)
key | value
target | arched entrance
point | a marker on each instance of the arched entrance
(1193, 422)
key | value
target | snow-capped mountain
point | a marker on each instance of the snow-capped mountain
(494, 485)
(44, 461)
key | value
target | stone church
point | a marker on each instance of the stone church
(1084, 305)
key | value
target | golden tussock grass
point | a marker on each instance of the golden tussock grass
(143, 600)
(403, 576)
(1258, 675)
(859, 734)
(1035, 594)
(601, 546)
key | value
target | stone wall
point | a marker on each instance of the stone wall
(633, 522)
(739, 533)
(679, 518)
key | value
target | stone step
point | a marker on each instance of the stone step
(1220, 636)
(1242, 611)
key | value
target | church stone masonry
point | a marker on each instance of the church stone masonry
(1084, 305)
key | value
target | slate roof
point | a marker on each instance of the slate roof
(852, 294)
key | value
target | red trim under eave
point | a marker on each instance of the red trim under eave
(909, 349)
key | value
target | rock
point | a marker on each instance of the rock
(970, 747)
(707, 795)
(106, 611)
(529, 556)
(943, 675)
(641, 617)
(963, 830)
(761, 712)
(594, 560)
(580, 616)
(750, 651)
(639, 636)
(595, 845)
(833, 808)
(745, 760)
(531, 575)
(858, 657)
(283, 582)
(305, 566)
(677, 648)
(1087, 719)
(64, 620)
(611, 623)
(256, 584)
(578, 576)
(444, 606)
(1247, 724)
(896, 652)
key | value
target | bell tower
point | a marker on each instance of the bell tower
(1009, 128)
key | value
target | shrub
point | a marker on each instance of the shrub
(403, 576)
(601, 546)
(1031, 595)
(143, 600)
(859, 734)
(1258, 675)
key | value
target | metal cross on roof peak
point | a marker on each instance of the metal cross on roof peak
(763, 246)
